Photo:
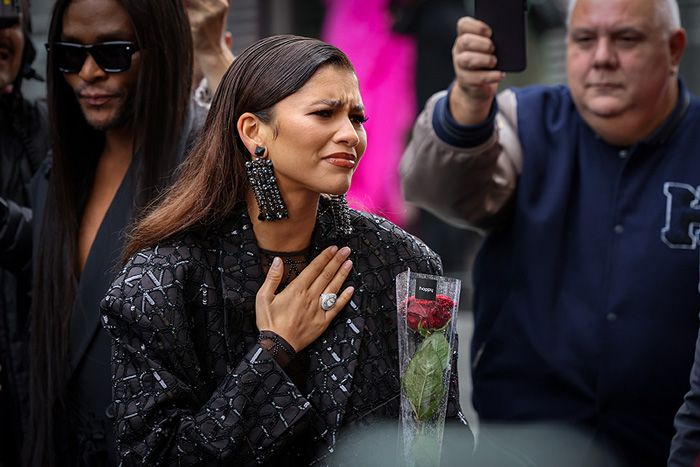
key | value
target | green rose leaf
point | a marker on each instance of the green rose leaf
(422, 381)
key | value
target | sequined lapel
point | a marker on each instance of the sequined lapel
(241, 277)
(332, 363)
(239, 261)
(333, 358)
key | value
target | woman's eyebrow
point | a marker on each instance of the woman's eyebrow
(337, 103)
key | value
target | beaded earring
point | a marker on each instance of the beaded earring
(261, 177)
(340, 213)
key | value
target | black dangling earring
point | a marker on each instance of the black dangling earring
(340, 213)
(261, 177)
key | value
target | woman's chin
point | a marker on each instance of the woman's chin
(337, 189)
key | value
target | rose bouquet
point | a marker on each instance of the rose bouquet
(427, 318)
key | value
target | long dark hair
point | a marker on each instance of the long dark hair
(212, 180)
(164, 82)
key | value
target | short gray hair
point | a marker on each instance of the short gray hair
(667, 10)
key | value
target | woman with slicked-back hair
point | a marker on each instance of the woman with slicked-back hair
(255, 319)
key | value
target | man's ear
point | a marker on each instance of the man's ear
(676, 44)
(251, 131)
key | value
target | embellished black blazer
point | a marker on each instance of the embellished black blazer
(193, 387)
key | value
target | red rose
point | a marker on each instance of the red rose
(429, 314)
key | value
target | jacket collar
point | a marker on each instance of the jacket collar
(99, 271)
(661, 135)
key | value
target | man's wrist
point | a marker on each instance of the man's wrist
(464, 136)
(466, 109)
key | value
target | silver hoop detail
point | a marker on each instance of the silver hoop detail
(328, 301)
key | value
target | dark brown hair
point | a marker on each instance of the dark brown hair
(164, 82)
(212, 180)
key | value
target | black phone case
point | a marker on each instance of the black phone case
(508, 21)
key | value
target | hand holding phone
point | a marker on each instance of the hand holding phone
(476, 78)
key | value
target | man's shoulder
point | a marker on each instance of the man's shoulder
(377, 231)
(694, 104)
(27, 120)
(543, 108)
(33, 113)
(684, 119)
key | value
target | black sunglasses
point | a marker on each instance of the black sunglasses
(112, 57)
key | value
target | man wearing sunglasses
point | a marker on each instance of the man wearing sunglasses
(119, 85)
(23, 146)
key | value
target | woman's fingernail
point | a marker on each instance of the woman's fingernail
(345, 251)
(334, 249)
(347, 265)
(277, 262)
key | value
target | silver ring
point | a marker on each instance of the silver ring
(328, 301)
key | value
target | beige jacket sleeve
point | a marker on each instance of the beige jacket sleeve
(467, 187)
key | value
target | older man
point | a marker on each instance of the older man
(587, 285)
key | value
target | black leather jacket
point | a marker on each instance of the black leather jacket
(23, 145)
(193, 387)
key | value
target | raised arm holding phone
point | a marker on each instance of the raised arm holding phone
(587, 286)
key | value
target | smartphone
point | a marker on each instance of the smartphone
(508, 21)
(9, 13)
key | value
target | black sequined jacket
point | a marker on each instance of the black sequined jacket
(193, 387)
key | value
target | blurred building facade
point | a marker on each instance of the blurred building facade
(251, 19)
